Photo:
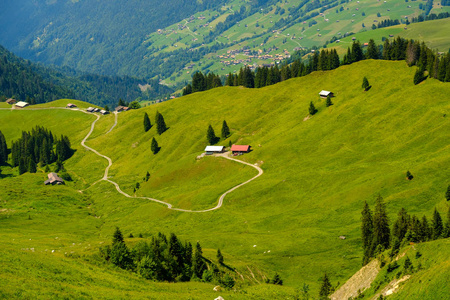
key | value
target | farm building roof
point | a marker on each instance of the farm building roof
(325, 93)
(214, 148)
(240, 148)
(21, 104)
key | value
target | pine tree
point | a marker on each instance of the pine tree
(198, 265)
(381, 231)
(447, 193)
(147, 176)
(438, 227)
(22, 167)
(419, 76)
(328, 103)
(31, 166)
(147, 124)
(154, 146)
(3, 149)
(372, 50)
(117, 236)
(312, 109)
(225, 130)
(367, 232)
(409, 176)
(211, 136)
(447, 225)
(325, 288)
(365, 84)
(219, 257)
(160, 123)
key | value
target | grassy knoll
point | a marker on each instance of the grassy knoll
(318, 173)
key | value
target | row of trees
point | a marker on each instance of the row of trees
(161, 126)
(202, 82)
(39, 146)
(211, 135)
(377, 236)
(165, 259)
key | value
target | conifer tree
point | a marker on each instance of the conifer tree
(447, 193)
(419, 76)
(328, 103)
(211, 136)
(447, 225)
(198, 265)
(160, 123)
(31, 166)
(225, 130)
(381, 231)
(409, 176)
(22, 167)
(312, 109)
(276, 279)
(325, 288)
(3, 149)
(154, 146)
(367, 232)
(437, 225)
(425, 230)
(365, 84)
(117, 236)
(147, 124)
(219, 257)
(372, 50)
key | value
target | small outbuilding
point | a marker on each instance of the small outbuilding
(11, 101)
(104, 112)
(90, 109)
(22, 104)
(71, 105)
(325, 94)
(214, 149)
(240, 149)
(122, 108)
(53, 179)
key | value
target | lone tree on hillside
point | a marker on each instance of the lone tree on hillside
(225, 130)
(365, 84)
(447, 194)
(211, 136)
(147, 124)
(438, 226)
(160, 123)
(312, 109)
(328, 103)
(325, 288)
(154, 147)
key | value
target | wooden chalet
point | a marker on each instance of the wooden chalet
(71, 105)
(104, 112)
(90, 109)
(214, 149)
(11, 101)
(240, 149)
(53, 179)
(122, 108)
(325, 94)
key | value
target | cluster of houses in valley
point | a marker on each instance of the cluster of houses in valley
(235, 149)
(250, 54)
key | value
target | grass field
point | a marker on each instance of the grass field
(317, 175)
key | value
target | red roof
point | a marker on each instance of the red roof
(243, 148)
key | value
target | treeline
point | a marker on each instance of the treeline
(39, 146)
(202, 82)
(377, 236)
(165, 259)
(19, 80)
(418, 19)
(431, 64)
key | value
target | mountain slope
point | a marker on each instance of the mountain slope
(317, 172)
(171, 39)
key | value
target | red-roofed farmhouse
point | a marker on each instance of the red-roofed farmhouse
(239, 149)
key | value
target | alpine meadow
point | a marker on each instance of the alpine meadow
(136, 164)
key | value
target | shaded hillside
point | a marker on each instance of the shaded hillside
(27, 81)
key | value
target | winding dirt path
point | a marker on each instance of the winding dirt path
(169, 206)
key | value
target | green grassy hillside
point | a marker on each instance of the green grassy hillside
(433, 33)
(317, 174)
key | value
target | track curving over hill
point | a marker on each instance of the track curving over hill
(169, 206)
